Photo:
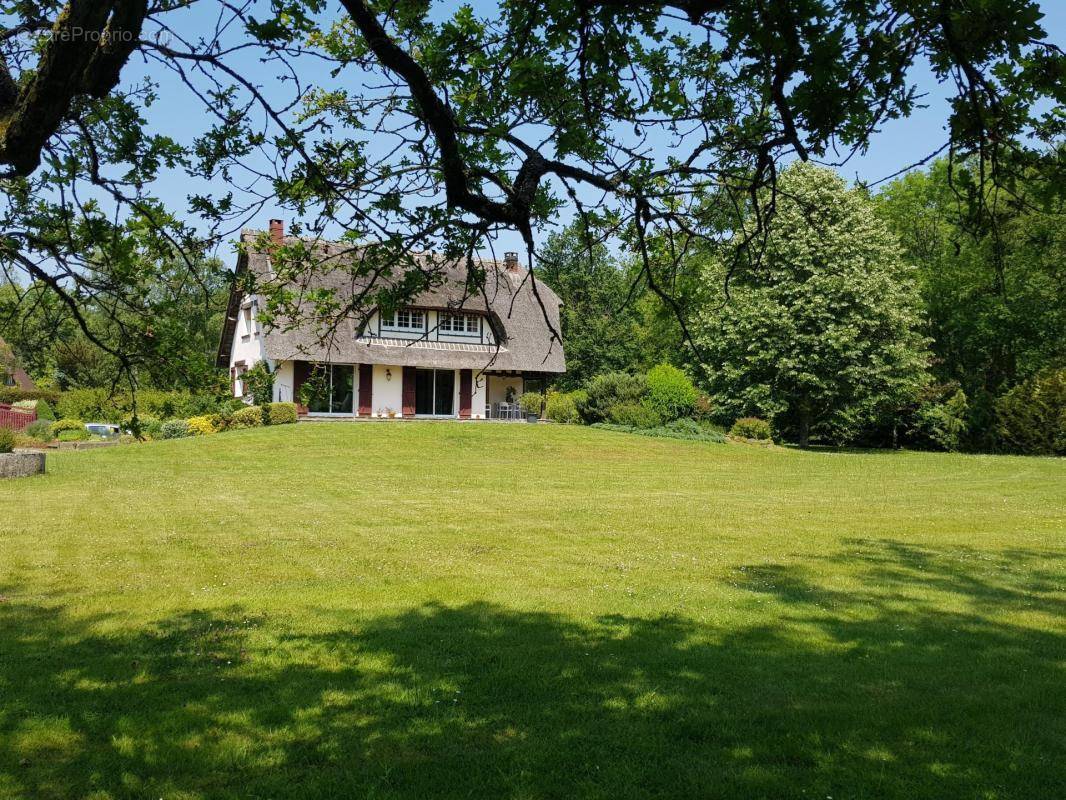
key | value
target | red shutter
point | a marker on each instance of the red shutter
(300, 372)
(408, 391)
(366, 390)
(465, 392)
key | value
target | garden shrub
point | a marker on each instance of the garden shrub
(636, 415)
(943, 425)
(74, 435)
(61, 425)
(150, 427)
(671, 430)
(8, 439)
(100, 405)
(96, 405)
(1031, 417)
(704, 408)
(610, 389)
(174, 429)
(258, 381)
(751, 428)
(281, 413)
(531, 403)
(44, 410)
(205, 424)
(561, 407)
(40, 429)
(247, 417)
(670, 392)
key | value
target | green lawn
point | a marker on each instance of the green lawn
(517, 611)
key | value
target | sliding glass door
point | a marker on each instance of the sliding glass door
(332, 389)
(435, 392)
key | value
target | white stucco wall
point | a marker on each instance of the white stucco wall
(284, 382)
(497, 388)
(387, 394)
(247, 343)
(479, 395)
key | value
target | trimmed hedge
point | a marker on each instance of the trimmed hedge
(174, 429)
(751, 428)
(281, 413)
(12, 394)
(67, 425)
(247, 417)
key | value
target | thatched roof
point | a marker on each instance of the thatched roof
(522, 324)
(16, 372)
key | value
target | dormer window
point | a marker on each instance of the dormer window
(460, 323)
(408, 319)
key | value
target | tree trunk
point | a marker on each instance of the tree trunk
(804, 425)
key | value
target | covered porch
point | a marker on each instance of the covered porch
(387, 391)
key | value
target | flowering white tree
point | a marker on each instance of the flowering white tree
(824, 335)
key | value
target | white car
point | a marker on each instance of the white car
(102, 429)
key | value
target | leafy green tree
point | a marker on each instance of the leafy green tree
(994, 293)
(822, 336)
(599, 324)
(167, 327)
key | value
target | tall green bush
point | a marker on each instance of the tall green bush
(671, 392)
(531, 403)
(608, 390)
(561, 407)
(943, 425)
(1031, 417)
(7, 440)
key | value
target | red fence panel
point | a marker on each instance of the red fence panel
(16, 418)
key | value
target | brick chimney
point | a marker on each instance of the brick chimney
(277, 231)
(510, 261)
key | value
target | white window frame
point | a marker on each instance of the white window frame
(405, 319)
(459, 323)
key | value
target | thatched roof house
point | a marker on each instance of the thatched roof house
(453, 350)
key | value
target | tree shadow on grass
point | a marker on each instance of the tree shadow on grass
(920, 684)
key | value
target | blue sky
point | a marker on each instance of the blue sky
(899, 143)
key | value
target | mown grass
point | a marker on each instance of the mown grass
(420, 610)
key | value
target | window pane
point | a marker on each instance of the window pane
(341, 394)
(445, 386)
